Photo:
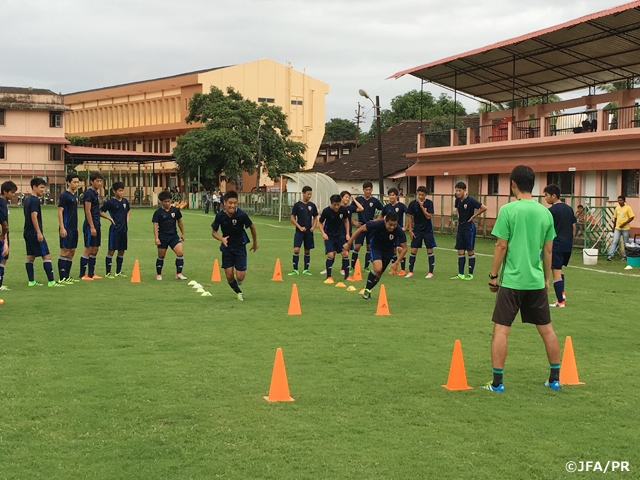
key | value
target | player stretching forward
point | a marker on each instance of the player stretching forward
(383, 237)
(370, 205)
(233, 221)
(466, 237)
(400, 209)
(345, 201)
(164, 221)
(33, 236)
(91, 228)
(564, 222)
(118, 208)
(68, 231)
(334, 227)
(421, 228)
(304, 216)
(7, 191)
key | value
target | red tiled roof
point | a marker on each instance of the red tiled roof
(26, 139)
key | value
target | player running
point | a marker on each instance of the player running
(370, 205)
(334, 226)
(400, 209)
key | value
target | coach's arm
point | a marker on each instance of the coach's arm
(498, 256)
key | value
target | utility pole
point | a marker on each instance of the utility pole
(358, 117)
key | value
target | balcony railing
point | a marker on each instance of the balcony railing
(623, 117)
(437, 139)
(526, 129)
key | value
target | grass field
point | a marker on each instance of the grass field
(109, 379)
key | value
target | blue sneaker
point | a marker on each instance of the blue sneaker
(489, 386)
(555, 385)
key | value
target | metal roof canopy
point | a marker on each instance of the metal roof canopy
(592, 50)
(75, 154)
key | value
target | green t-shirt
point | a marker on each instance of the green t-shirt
(526, 225)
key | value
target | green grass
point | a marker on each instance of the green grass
(109, 379)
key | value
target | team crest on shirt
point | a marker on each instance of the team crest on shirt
(234, 221)
(341, 215)
(465, 206)
(309, 207)
(371, 204)
(173, 215)
(397, 209)
(391, 236)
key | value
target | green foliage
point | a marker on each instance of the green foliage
(616, 87)
(78, 141)
(338, 129)
(227, 142)
(551, 98)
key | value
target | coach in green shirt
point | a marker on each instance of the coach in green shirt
(524, 229)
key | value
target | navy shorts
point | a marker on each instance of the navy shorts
(235, 257)
(360, 239)
(90, 241)
(385, 257)
(305, 238)
(2, 257)
(36, 248)
(559, 259)
(117, 240)
(70, 241)
(166, 242)
(427, 239)
(334, 244)
(466, 239)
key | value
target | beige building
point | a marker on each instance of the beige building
(148, 116)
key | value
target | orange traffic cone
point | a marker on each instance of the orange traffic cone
(383, 305)
(215, 273)
(294, 302)
(277, 272)
(279, 389)
(357, 273)
(569, 370)
(135, 274)
(457, 377)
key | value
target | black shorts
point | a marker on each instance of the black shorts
(36, 248)
(90, 241)
(305, 238)
(559, 259)
(360, 239)
(334, 244)
(385, 257)
(70, 241)
(532, 304)
(427, 239)
(235, 257)
(466, 239)
(166, 242)
(117, 240)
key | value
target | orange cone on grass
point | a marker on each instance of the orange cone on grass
(294, 302)
(383, 305)
(215, 273)
(569, 369)
(135, 274)
(277, 272)
(279, 389)
(457, 377)
(357, 273)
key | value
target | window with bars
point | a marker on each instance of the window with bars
(55, 152)
(630, 183)
(564, 180)
(431, 181)
(493, 184)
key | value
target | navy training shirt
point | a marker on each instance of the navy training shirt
(351, 209)
(466, 208)
(304, 213)
(4, 211)
(421, 224)
(382, 239)
(167, 221)
(334, 221)
(370, 206)
(233, 227)
(91, 196)
(31, 204)
(118, 210)
(69, 204)
(563, 220)
(399, 208)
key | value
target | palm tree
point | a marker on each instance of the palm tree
(613, 106)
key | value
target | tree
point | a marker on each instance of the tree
(338, 129)
(616, 87)
(551, 98)
(78, 141)
(227, 141)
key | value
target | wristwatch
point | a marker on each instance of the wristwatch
(492, 277)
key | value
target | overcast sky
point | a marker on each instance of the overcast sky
(72, 45)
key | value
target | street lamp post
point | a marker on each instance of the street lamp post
(376, 105)
(259, 162)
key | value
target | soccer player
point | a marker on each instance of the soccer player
(370, 205)
(524, 229)
(623, 217)
(383, 237)
(466, 236)
(166, 236)
(420, 212)
(564, 223)
(7, 191)
(68, 228)
(334, 227)
(400, 209)
(34, 237)
(351, 208)
(232, 221)
(118, 208)
(91, 228)
(304, 215)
